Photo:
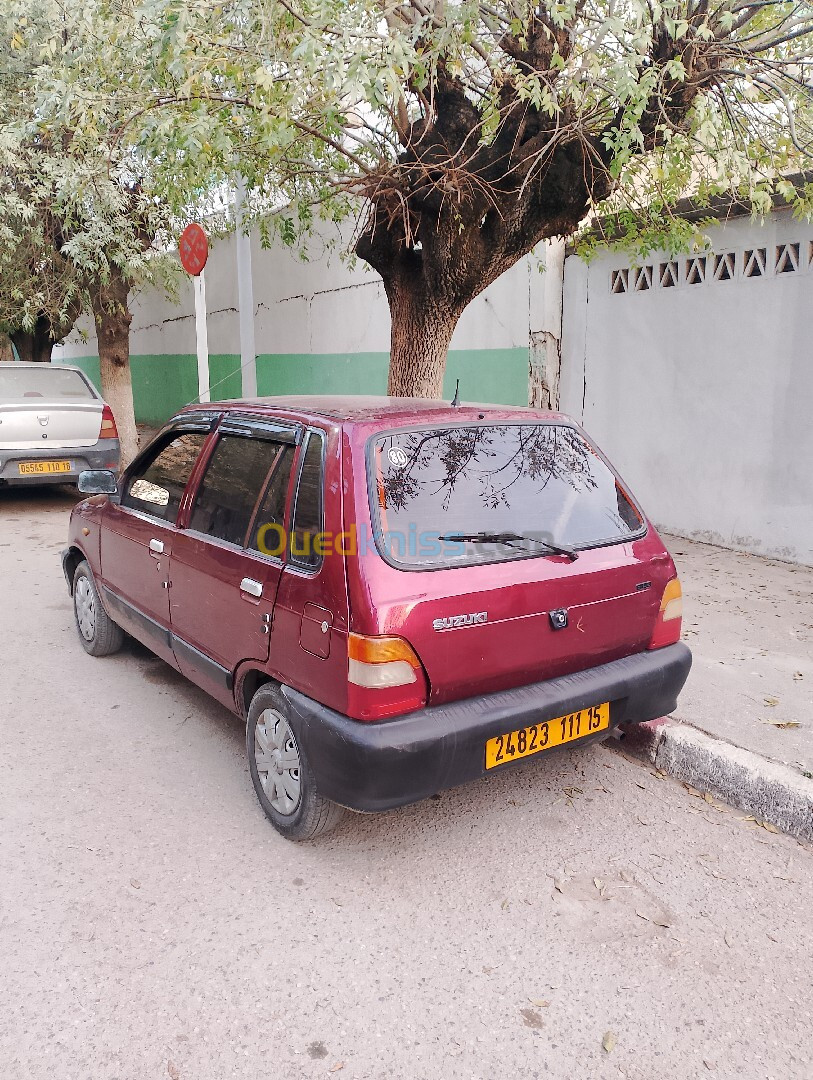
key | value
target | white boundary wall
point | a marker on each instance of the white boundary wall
(702, 393)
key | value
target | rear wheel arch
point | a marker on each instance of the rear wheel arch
(248, 683)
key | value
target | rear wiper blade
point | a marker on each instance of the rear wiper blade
(510, 539)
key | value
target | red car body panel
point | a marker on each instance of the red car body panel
(139, 575)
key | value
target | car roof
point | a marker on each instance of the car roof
(380, 411)
(28, 365)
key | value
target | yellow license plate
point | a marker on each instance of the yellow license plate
(37, 468)
(539, 737)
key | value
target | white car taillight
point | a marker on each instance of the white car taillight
(385, 677)
(392, 673)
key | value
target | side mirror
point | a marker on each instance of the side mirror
(97, 482)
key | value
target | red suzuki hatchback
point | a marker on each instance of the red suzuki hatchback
(398, 595)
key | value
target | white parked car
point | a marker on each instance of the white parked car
(53, 425)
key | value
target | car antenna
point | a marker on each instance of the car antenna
(456, 398)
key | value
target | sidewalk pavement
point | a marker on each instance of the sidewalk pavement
(749, 623)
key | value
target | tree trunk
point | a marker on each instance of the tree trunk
(34, 347)
(419, 343)
(112, 318)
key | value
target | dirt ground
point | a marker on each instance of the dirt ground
(580, 917)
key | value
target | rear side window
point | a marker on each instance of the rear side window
(156, 488)
(231, 487)
(306, 551)
(20, 384)
(521, 485)
(268, 531)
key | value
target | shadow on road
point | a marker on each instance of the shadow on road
(45, 497)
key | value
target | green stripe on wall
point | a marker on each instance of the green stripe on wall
(165, 383)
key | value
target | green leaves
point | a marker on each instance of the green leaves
(124, 121)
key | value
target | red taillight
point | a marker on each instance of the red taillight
(384, 677)
(670, 616)
(109, 429)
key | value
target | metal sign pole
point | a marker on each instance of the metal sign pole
(201, 336)
(245, 301)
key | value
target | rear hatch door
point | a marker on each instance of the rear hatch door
(488, 615)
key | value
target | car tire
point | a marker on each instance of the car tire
(99, 635)
(286, 789)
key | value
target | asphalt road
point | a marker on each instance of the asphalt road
(578, 918)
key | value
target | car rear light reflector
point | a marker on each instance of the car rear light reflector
(670, 616)
(394, 673)
(384, 678)
(109, 429)
(381, 661)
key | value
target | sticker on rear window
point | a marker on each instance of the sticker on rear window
(397, 457)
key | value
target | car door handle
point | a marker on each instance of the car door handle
(250, 586)
(157, 546)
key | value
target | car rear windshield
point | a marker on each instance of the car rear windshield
(531, 485)
(19, 385)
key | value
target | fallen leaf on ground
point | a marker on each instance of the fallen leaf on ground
(709, 798)
(336, 1067)
(173, 1070)
(609, 1041)
(771, 701)
(136, 884)
(539, 1002)
(766, 825)
(784, 723)
(531, 1018)
(797, 676)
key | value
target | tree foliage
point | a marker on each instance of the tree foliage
(82, 220)
(457, 134)
(462, 133)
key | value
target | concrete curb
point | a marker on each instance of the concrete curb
(773, 793)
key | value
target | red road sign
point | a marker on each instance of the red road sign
(194, 249)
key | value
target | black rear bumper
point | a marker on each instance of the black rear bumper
(377, 766)
(104, 454)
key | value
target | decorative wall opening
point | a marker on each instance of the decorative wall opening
(754, 261)
(795, 256)
(696, 270)
(643, 278)
(668, 274)
(787, 258)
(724, 266)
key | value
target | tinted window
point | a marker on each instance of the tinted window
(541, 481)
(47, 383)
(231, 486)
(157, 487)
(308, 508)
(268, 532)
